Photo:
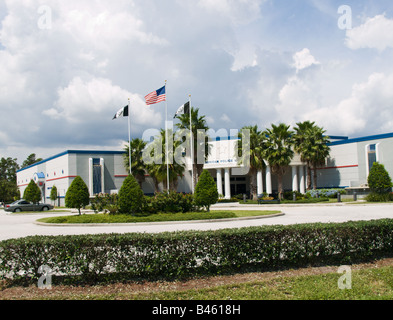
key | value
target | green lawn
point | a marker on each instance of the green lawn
(369, 283)
(121, 218)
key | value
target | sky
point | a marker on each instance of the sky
(66, 67)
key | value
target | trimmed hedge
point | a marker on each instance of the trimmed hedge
(191, 253)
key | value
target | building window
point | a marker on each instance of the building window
(371, 155)
(97, 171)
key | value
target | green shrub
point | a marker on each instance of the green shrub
(324, 193)
(32, 193)
(231, 200)
(288, 195)
(186, 202)
(171, 202)
(53, 194)
(131, 197)
(239, 197)
(107, 203)
(77, 195)
(379, 180)
(307, 200)
(206, 192)
(183, 254)
(379, 197)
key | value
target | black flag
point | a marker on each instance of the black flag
(184, 109)
(123, 112)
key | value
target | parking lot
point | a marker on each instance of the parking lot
(22, 225)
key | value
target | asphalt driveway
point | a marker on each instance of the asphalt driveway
(22, 225)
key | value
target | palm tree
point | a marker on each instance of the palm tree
(301, 144)
(158, 168)
(255, 147)
(312, 144)
(320, 151)
(278, 151)
(137, 164)
(198, 123)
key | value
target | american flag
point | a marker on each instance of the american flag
(156, 96)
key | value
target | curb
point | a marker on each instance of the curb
(154, 223)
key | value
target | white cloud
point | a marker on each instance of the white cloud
(376, 33)
(304, 59)
(103, 26)
(83, 101)
(244, 57)
(296, 98)
(210, 120)
(238, 11)
(369, 108)
(225, 118)
(13, 84)
(289, 96)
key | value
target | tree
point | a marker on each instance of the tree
(198, 123)
(138, 166)
(53, 194)
(77, 195)
(158, 168)
(31, 159)
(32, 193)
(300, 145)
(131, 197)
(8, 169)
(206, 192)
(256, 146)
(311, 143)
(8, 187)
(278, 151)
(8, 191)
(379, 180)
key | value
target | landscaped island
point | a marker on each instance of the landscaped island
(125, 218)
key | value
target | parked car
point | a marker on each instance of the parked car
(23, 205)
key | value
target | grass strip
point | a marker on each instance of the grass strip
(370, 283)
(122, 218)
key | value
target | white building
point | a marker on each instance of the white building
(103, 171)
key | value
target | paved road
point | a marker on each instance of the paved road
(22, 225)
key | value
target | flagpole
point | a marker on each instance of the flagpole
(192, 148)
(129, 134)
(166, 138)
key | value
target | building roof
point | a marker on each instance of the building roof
(72, 152)
(362, 139)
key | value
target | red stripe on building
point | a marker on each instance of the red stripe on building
(68, 177)
(340, 167)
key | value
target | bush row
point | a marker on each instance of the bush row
(131, 199)
(163, 202)
(184, 254)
